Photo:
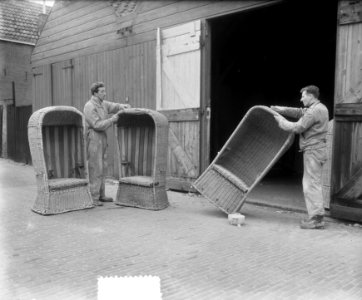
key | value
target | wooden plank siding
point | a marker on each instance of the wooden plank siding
(183, 156)
(61, 22)
(126, 72)
(65, 44)
(348, 84)
(41, 87)
(62, 83)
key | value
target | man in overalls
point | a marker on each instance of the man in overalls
(312, 127)
(96, 112)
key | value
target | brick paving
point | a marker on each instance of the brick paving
(190, 246)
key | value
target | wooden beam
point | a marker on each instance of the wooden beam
(348, 109)
(353, 189)
(179, 184)
(7, 102)
(182, 157)
(348, 118)
(182, 115)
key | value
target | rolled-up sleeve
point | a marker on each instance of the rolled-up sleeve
(94, 120)
(292, 112)
(111, 107)
(304, 123)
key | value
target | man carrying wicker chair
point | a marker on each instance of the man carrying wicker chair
(312, 126)
(96, 112)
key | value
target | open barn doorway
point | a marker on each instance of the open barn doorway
(264, 57)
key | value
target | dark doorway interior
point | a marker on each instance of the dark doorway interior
(264, 57)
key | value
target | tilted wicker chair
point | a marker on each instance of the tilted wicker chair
(252, 149)
(142, 138)
(57, 146)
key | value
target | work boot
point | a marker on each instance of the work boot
(105, 199)
(315, 222)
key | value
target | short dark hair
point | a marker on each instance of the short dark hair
(311, 89)
(95, 86)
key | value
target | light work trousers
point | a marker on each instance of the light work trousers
(97, 163)
(312, 180)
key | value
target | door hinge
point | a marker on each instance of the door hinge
(205, 112)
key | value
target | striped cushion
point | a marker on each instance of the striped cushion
(63, 151)
(136, 145)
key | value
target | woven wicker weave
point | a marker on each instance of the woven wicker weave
(142, 139)
(252, 149)
(57, 146)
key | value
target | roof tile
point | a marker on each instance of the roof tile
(19, 20)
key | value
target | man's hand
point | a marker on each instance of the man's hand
(284, 124)
(114, 118)
(125, 106)
(279, 120)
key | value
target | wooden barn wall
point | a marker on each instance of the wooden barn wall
(16, 67)
(127, 72)
(347, 144)
(16, 89)
(128, 76)
(83, 27)
(85, 33)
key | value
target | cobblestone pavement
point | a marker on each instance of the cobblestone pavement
(190, 246)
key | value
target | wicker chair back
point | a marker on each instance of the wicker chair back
(252, 149)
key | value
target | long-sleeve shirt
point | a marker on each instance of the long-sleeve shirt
(312, 125)
(96, 113)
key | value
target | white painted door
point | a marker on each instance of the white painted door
(178, 97)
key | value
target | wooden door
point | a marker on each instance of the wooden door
(178, 96)
(41, 87)
(346, 182)
(62, 83)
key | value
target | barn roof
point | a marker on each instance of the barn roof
(19, 21)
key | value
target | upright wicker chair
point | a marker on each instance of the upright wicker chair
(142, 138)
(57, 146)
(252, 149)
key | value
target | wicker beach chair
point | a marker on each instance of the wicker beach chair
(252, 149)
(57, 146)
(142, 138)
